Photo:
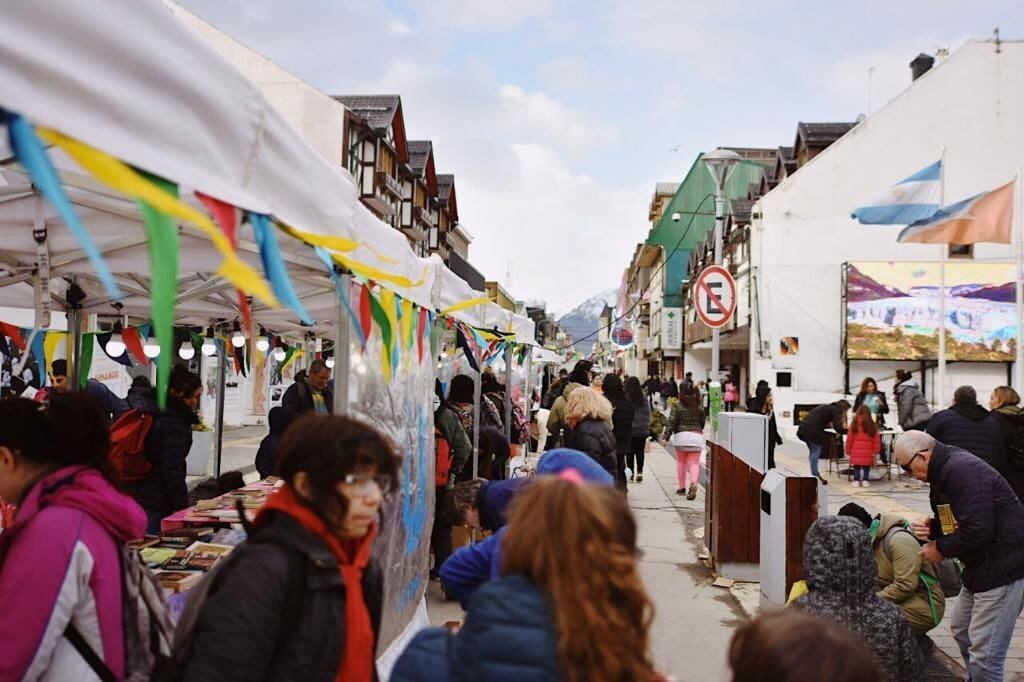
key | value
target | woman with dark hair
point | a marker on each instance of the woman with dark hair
(1005, 405)
(301, 598)
(570, 597)
(874, 400)
(60, 562)
(622, 424)
(163, 490)
(640, 431)
(460, 401)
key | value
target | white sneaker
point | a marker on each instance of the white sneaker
(856, 484)
(865, 484)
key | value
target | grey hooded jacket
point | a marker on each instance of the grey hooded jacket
(911, 407)
(842, 578)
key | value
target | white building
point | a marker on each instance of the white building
(971, 105)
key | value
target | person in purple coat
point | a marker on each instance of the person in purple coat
(60, 562)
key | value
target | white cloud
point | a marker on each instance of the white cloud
(486, 13)
(538, 116)
(566, 73)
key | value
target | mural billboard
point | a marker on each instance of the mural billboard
(892, 311)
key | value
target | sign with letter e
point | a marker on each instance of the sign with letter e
(714, 296)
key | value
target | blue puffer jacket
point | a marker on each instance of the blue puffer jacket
(990, 533)
(496, 497)
(508, 634)
(971, 428)
(474, 565)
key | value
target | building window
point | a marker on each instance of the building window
(961, 250)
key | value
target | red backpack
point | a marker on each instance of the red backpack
(443, 450)
(128, 445)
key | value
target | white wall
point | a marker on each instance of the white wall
(317, 117)
(972, 103)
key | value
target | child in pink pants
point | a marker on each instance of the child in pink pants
(688, 463)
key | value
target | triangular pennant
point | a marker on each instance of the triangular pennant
(274, 266)
(420, 331)
(365, 313)
(408, 323)
(85, 359)
(103, 339)
(162, 238)
(342, 294)
(13, 333)
(226, 217)
(384, 322)
(133, 343)
(51, 341)
(39, 354)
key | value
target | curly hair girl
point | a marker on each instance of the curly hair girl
(577, 543)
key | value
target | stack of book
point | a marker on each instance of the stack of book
(180, 558)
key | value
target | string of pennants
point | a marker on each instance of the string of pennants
(162, 208)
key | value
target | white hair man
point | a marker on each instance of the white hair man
(980, 521)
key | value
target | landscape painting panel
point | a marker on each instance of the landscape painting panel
(892, 311)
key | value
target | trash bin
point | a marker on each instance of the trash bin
(789, 505)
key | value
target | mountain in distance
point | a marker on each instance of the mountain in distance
(1001, 293)
(584, 319)
(860, 287)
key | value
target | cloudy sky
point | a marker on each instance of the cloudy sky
(557, 118)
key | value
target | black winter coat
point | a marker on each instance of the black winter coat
(266, 457)
(238, 630)
(1011, 418)
(991, 519)
(622, 422)
(163, 490)
(819, 419)
(971, 428)
(595, 438)
(299, 398)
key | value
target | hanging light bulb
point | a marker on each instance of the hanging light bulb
(115, 346)
(209, 348)
(187, 351)
(263, 343)
(238, 338)
(279, 351)
(151, 349)
(330, 363)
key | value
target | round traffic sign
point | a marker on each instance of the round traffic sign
(714, 296)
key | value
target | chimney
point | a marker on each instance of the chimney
(920, 65)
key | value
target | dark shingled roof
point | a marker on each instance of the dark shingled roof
(377, 110)
(740, 210)
(444, 186)
(821, 134)
(419, 152)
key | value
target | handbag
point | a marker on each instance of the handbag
(687, 440)
(948, 571)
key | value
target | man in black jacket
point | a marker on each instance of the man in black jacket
(311, 394)
(980, 521)
(969, 426)
(812, 430)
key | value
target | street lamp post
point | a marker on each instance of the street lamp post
(720, 164)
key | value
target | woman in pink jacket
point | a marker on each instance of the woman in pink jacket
(60, 562)
(863, 442)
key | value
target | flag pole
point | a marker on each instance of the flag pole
(1018, 214)
(940, 389)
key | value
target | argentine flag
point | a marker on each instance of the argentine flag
(908, 201)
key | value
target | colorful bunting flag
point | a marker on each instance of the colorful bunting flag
(133, 343)
(384, 322)
(13, 333)
(126, 180)
(274, 267)
(342, 294)
(365, 313)
(51, 341)
(162, 241)
(85, 359)
(420, 331)
(227, 218)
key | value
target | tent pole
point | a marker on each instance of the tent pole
(529, 393)
(477, 380)
(940, 389)
(508, 392)
(222, 375)
(342, 349)
(74, 347)
(1018, 369)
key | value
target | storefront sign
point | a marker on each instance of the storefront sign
(672, 328)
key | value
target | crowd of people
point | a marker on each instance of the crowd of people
(556, 571)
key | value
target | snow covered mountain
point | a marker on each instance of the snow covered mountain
(583, 320)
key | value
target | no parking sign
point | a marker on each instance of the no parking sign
(714, 296)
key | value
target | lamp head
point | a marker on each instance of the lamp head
(720, 163)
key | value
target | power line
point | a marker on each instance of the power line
(640, 297)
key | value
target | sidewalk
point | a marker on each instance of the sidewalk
(909, 498)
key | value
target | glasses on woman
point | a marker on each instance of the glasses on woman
(363, 484)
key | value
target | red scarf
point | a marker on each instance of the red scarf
(357, 659)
